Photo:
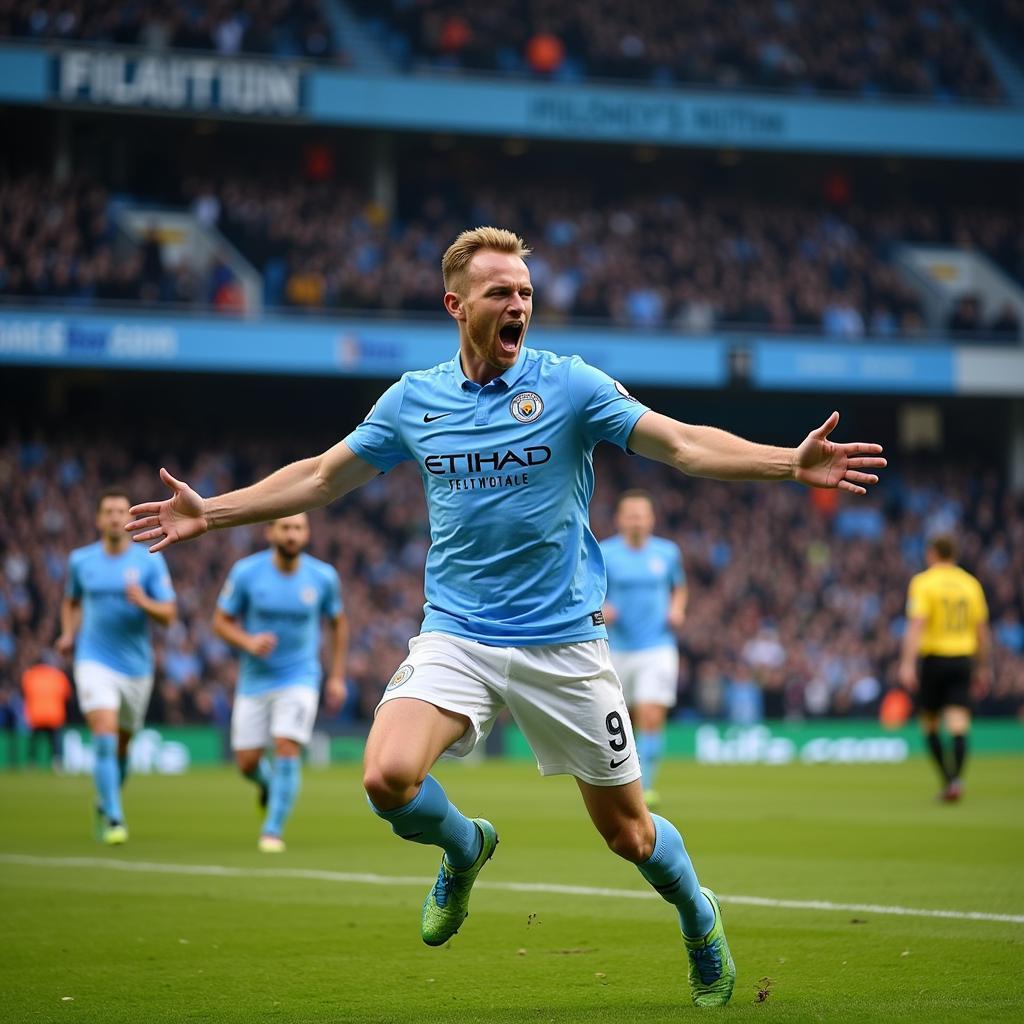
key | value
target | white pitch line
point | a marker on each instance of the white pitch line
(359, 878)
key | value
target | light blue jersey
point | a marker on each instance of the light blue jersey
(640, 585)
(289, 605)
(508, 473)
(115, 632)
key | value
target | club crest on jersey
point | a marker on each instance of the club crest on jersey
(526, 406)
(403, 675)
(131, 575)
(308, 595)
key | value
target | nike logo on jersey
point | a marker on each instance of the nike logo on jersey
(427, 418)
(615, 764)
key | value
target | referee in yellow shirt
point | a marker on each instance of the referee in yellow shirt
(946, 641)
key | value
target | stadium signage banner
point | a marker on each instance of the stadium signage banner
(758, 744)
(807, 364)
(150, 753)
(345, 349)
(178, 83)
(669, 117)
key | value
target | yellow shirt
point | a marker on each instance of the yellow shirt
(952, 604)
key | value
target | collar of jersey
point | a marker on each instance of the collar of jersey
(505, 380)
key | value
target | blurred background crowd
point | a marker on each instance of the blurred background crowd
(688, 260)
(900, 47)
(277, 28)
(796, 597)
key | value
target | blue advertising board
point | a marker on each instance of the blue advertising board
(353, 348)
(172, 82)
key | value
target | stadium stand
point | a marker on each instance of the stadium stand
(278, 28)
(920, 48)
(795, 596)
(640, 260)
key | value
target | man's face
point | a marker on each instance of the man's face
(111, 517)
(289, 536)
(496, 307)
(635, 518)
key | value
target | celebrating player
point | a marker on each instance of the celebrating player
(111, 597)
(270, 609)
(503, 437)
(646, 603)
(947, 628)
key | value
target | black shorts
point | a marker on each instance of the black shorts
(944, 682)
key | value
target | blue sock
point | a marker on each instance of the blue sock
(122, 768)
(649, 748)
(261, 774)
(284, 788)
(430, 818)
(669, 870)
(106, 776)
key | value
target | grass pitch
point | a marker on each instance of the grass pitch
(207, 929)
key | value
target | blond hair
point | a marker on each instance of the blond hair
(456, 258)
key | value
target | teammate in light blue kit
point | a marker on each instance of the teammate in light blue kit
(271, 608)
(503, 438)
(111, 597)
(646, 604)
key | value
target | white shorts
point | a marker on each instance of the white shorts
(288, 713)
(565, 698)
(648, 677)
(100, 688)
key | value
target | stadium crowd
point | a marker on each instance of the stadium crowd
(922, 48)
(661, 260)
(796, 597)
(278, 28)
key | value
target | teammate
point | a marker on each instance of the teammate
(947, 628)
(503, 437)
(646, 605)
(270, 609)
(111, 597)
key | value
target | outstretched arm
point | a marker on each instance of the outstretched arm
(710, 452)
(296, 488)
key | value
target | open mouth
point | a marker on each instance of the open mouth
(510, 334)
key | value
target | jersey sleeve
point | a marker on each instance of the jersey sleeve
(233, 598)
(677, 572)
(158, 578)
(333, 605)
(73, 586)
(605, 409)
(917, 599)
(378, 439)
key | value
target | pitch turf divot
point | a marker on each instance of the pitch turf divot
(357, 878)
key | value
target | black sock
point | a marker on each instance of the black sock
(959, 755)
(122, 768)
(935, 747)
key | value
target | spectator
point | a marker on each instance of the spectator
(46, 692)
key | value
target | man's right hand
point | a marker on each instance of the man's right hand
(65, 644)
(261, 645)
(177, 518)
